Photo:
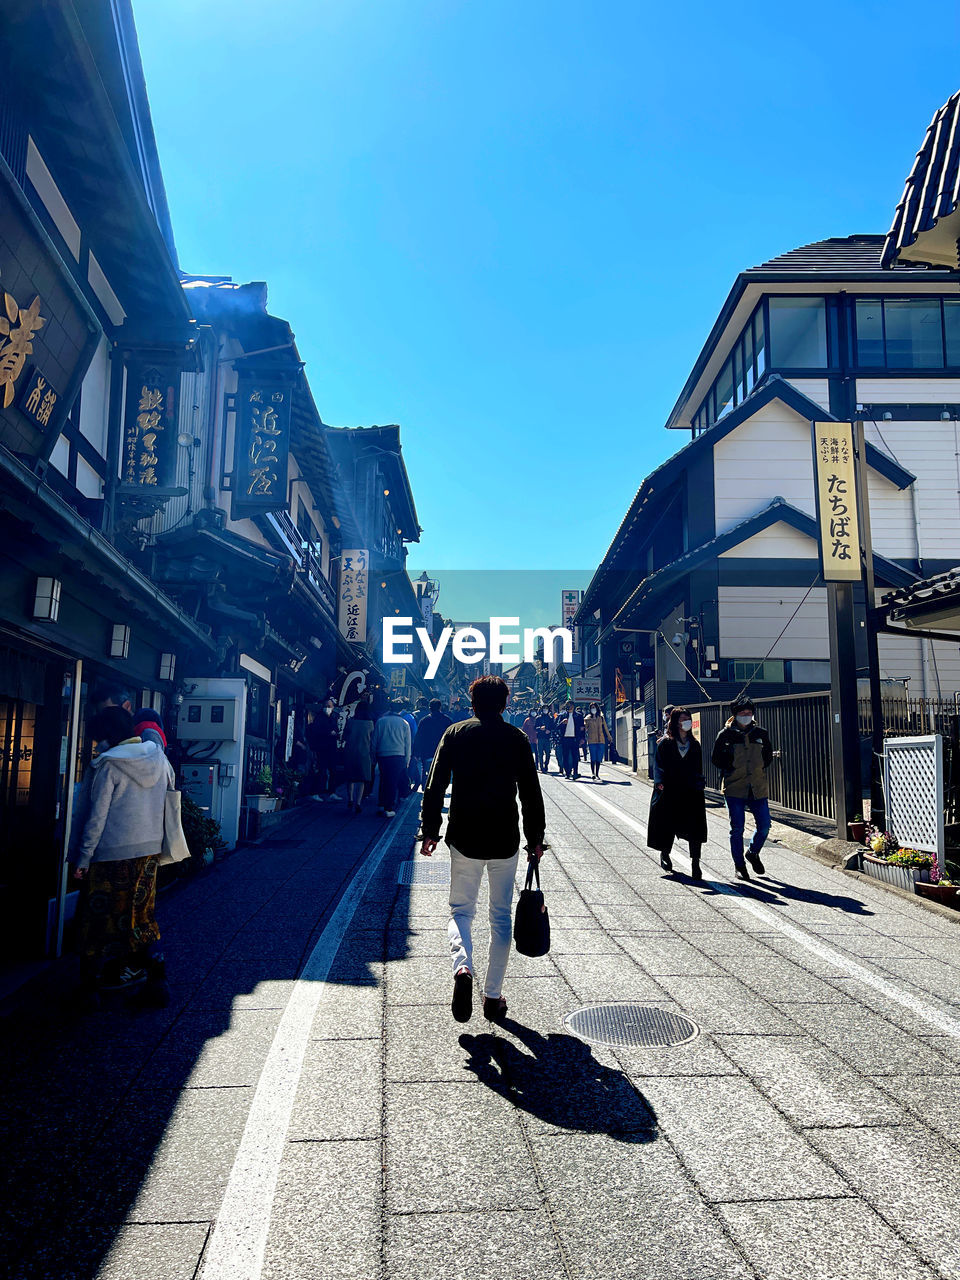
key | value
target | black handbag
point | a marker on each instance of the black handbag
(531, 923)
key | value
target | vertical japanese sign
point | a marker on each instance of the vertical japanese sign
(836, 485)
(570, 603)
(354, 572)
(150, 427)
(261, 446)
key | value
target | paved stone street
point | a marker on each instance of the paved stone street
(344, 1126)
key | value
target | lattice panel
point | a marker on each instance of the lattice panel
(913, 772)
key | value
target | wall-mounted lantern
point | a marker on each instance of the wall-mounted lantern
(46, 601)
(120, 640)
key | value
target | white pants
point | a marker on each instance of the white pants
(465, 877)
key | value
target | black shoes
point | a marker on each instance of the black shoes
(741, 870)
(754, 860)
(665, 862)
(494, 1008)
(695, 873)
(462, 1004)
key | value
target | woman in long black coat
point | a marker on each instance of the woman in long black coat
(677, 806)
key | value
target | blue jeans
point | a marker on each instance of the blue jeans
(737, 809)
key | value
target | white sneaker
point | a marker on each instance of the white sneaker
(389, 813)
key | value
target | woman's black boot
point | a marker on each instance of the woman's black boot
(695, 872)
(665, 862)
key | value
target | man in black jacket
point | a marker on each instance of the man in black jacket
(545, 731)
(742, 753)
(429, 732)
(570, 730)
(490, 763)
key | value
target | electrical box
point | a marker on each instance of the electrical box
(199, 780)
(208, 719)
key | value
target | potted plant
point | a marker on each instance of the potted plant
(857, 829)
(287, 784)
(940, 888)
(202, 833)
(261, 795)
(888, 862)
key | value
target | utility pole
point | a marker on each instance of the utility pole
(836, 470)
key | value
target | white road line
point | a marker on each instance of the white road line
(239, 1239)
(943, 1022)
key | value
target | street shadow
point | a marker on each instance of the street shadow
(560, 1082)
(92, 1097)
(775, 892)
(836, 901)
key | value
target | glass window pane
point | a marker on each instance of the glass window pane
(912, 327)
(759, 342)
(798, 333)
(738, 373)
(724, 390)
(951, 319)
(869, 333)
(748, 357)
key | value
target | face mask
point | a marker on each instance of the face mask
(744, 720)
(328, 710)
(686, 725)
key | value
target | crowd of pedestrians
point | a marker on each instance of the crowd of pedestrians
(488, 756)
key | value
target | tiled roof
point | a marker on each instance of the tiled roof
(840, 253)
(932, 193)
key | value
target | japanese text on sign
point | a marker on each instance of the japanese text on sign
(353, 595)
(837, 501)
(148, 442)
(262, 446)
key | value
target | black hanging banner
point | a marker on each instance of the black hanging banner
(150, 427)
(261, 445)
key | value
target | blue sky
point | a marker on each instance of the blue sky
(509, 226)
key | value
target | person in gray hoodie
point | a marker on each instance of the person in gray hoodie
(119, 833)
(392, 745)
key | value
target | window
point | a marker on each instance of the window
(766, 670)
(798, 333)
(870, 333)
(724, 389)
(912, 333)
(738, 376)
(951, 329)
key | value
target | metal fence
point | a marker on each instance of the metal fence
(799, 776)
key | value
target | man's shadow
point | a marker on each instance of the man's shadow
(560, 1082)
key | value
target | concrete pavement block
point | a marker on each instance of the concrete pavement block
(348, 1012)
(735, 1144)
(932, 1101)
(338, 1096)
(326, 1213)
(598, 978)
(455, 1145)
(701, 1056)
(909, 1176)
(665, 954)
(640, 1220)
(829, 1239)
(472, 1246)
(567, 941)
(867, 1042)
(215, 1049)
(726, 1005)
(631, 917)
(423, 1043)
(149, 1251)
(808, 1083)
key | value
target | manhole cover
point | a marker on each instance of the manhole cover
(435, 873)
(630, 1024)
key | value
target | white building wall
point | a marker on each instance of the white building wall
(901, 659)
(908, 390)
(930, 450)
(780, 542)
(816, 389)
(751, 618)
(95, 398)
(768, 455)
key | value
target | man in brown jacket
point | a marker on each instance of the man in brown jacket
(742, 753)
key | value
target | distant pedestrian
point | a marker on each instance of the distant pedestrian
(358, 761)
(429, 732)
(323, 728)
(545, 733)
(489, 763)
(742, 753)
(114, 854)
(598, 737)
(529, 727)
(571, 732)
(392, 746)
(677, 807)
(411, 779)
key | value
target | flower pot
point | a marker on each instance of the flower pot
(945, 893)
(857, 831)
(905, 878)
(262, 804)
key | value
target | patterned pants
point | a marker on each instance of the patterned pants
(116, 915)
